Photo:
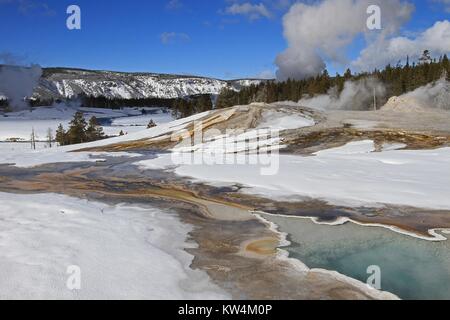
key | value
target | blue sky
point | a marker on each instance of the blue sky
(172, 36)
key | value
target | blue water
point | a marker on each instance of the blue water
(410, 268)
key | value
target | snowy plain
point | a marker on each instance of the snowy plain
(19, 125)
(123, 252)
(31, 158)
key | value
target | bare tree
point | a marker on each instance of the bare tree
(50, 137)
(33, 139)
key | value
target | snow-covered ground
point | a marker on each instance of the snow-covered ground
(32, 158)
(130, 252)
(19, 125)
(351, 175)
(142, 120)
(123, 252)
(276, 120)
(20, 147)
(265, 136)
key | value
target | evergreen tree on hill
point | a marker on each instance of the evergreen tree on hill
(151, 124)
(397, 80)
(446, 66)
(77, 130)
(94, 131)
(61, 135)
(348, 74)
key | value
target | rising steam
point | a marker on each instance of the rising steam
(18, 83)
(356, 95)
(434, 95)
(321, 31)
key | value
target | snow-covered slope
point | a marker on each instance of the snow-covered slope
(352, 175)
(121, 252)
(68, 83)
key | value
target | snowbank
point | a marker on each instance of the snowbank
(276, 120)
(123, 252)
(350, 175)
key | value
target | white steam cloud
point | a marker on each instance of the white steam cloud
(356, 95)
(322, 31)
(434, 95)
(384, 51)
(18, 83)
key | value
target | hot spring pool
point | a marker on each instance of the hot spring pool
(410, 268)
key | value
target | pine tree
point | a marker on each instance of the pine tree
(151, 124)
(348, 74)
(339, 83)
(324, 82)
(227, 98)
(446, 66)
(77, 130)
(445, 61)
(94, 131)
(61, 137)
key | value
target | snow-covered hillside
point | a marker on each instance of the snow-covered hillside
(68, 83)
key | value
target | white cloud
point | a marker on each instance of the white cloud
(27, 7)
(174, 5)
(252, 11)
(174, 37)
(384, 51)
(322, 31)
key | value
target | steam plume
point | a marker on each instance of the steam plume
(321, 31)
(18, 83)
(356, 95)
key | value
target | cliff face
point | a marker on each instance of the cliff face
(68, 83)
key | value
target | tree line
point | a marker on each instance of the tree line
(180, 107)
(79, 131)
(398, 79)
